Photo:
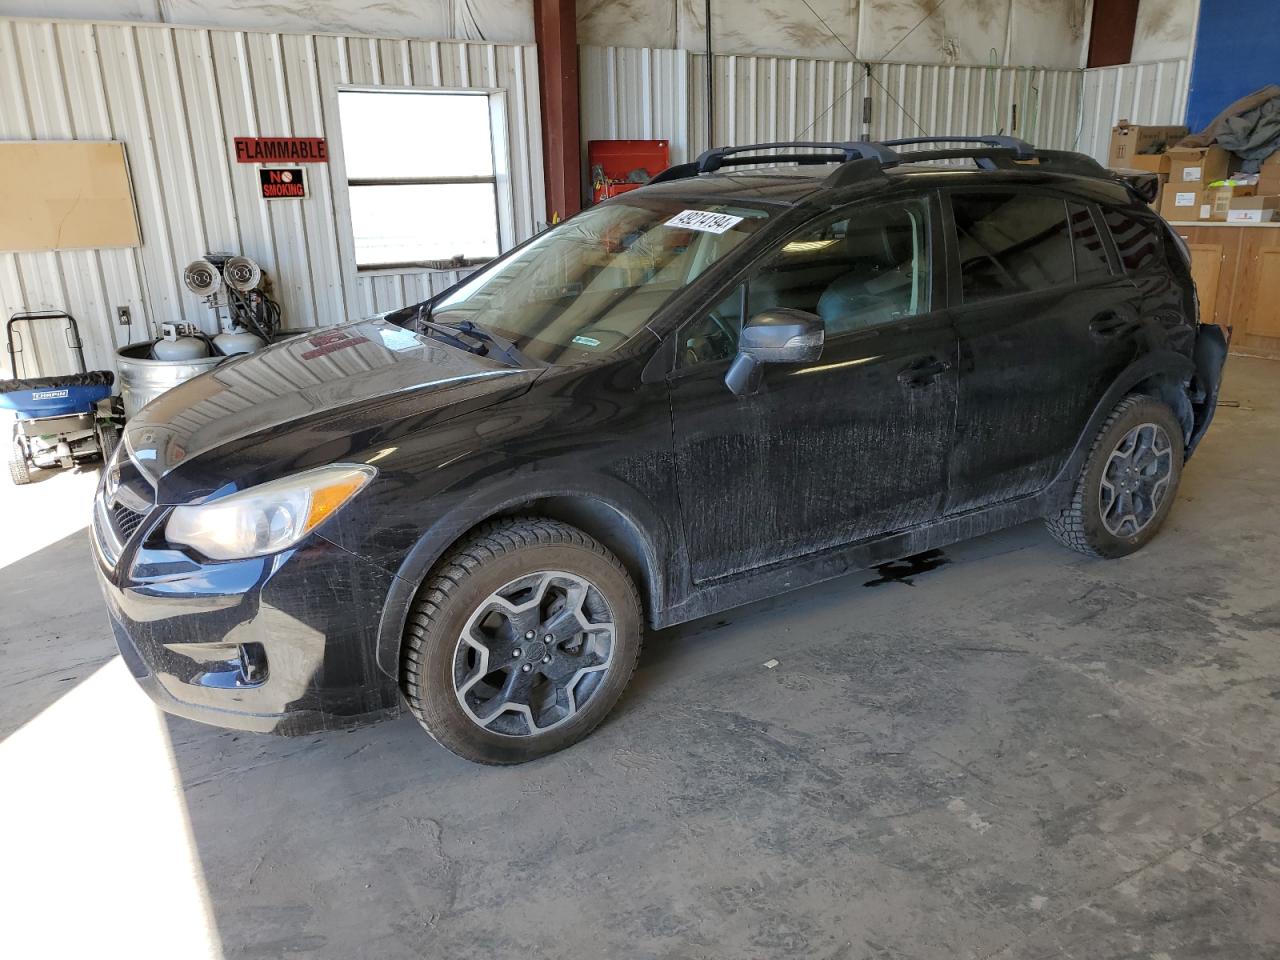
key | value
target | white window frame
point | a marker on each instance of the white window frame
(501, 179)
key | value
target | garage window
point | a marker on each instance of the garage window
(420, 176)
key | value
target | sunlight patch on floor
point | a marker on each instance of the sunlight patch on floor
(98, 854)
(56, 505)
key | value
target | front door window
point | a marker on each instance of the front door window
(855, 270)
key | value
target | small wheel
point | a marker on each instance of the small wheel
(520, 641)
(18, 471)
(108, 439)
(1129, 481)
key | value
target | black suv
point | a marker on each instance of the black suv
(717, 388)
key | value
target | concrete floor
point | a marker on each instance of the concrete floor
(1022, 754)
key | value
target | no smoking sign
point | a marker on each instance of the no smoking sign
(282, 183)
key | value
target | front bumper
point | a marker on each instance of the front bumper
(282, 644)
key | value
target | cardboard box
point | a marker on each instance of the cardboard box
(1129, 140)
(1268, 180)
(1147, 163)
(1162, 181)
(1185, 202)
(1255, 209)
(1221, 199)
(1199, 167)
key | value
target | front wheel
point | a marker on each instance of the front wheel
(520, 641)
(1128, 484)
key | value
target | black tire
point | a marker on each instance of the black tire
(1080, 525)
(108, 439)
(496, 554)
(18, 471)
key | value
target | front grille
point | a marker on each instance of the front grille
(125, 499)
(126, 521)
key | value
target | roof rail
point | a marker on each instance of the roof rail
(819, 152)
(860, 159)
(1065, 161)
(1021, 149)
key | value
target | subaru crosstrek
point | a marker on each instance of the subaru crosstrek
(733, 382)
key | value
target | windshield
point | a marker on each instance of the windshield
(589, 285)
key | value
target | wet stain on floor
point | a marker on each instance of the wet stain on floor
(908, 568)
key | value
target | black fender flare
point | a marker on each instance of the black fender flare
(1165, 363)
(641, 519)
(1210, 356)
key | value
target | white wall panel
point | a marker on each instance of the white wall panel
(1140, 92)
(176, 97)
(1049, 33)
(653, 94)
(1164, 29)
(501, 21)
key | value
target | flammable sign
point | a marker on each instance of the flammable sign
(282, 183)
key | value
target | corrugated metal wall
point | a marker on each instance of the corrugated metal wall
(647, 94)
(177, 96)
(1140, 92)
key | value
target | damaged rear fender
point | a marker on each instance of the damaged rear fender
(1209, 356)
(1165, 375)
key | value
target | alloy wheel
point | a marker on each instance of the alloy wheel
(533, 653)
(1135, 480)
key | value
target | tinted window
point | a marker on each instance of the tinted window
(1138, 247)
(1011, 243)
(1091, 252)
(855, 270)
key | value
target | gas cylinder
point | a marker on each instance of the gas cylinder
(180, 348)
(234, 343)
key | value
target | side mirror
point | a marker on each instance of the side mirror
(778, 335)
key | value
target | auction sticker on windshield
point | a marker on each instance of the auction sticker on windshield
(704, 220)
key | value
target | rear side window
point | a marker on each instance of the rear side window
(1139, 247)
(1091, 252)
(1011, 243)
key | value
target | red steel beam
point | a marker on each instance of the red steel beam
(555, 30)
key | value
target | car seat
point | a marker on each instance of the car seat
(877, 287)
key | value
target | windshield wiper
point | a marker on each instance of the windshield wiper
(484, 340)
(422, 323)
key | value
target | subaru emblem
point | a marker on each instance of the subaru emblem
(112, 486)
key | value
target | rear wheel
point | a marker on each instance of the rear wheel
(1128, 484)
(521, 641)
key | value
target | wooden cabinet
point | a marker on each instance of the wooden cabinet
(1206, 267)
(1237, 274)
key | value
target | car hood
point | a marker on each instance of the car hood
(328, 383)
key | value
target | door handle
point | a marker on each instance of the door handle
(1107, 325)
(922, 372)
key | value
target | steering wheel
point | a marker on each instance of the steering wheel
(699, 348)
(723, 326)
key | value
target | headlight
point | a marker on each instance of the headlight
(269, 517)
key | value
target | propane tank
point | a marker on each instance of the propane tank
(234, 343)
(172, 346)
